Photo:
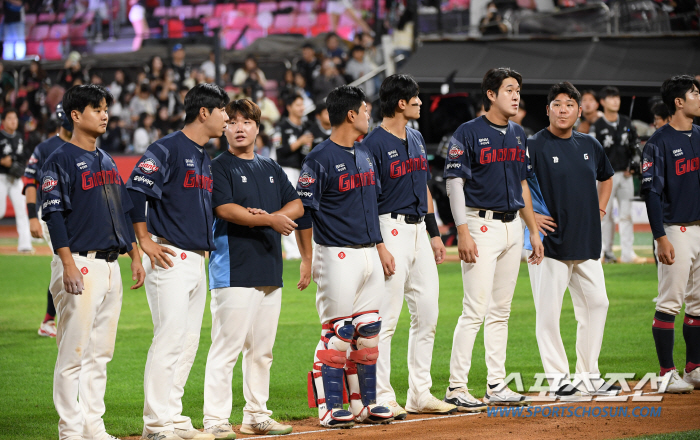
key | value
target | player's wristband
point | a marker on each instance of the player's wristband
(31, 210)
(431, 225)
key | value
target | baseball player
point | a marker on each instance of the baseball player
(409, 258)
(57, 137)
(246, 300)
(86, 207)
(12, 163)
(671, 187)
(486, 171)
(567, 166)
(339, 190)
(174, 176)
(618, 136)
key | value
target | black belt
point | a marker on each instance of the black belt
(103, 255)
(408, 218)
(505, 217)
(360, 246)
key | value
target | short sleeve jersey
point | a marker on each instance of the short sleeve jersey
(286, 134)
(85, 186)
(567, 171)
(493, 164)
(339, 187)
(402, 168)
(244, 256)
(670, 165)
(37, 159)
(175, 174)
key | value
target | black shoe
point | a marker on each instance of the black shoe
(608, 390)
(567, 390)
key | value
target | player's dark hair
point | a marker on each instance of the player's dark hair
(7, 111)
(677, 87)
(320, 107)
(209, 96)
(589, 92)
(493, 80)
(82, 96)
(356, 48)
(608, 91)
(341, 100)
(661, 110)
(290, 98)
(395, 88)
(51, 126)
(566, 88)
(244, 107)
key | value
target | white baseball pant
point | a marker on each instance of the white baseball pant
(489, 285)
(289, 242)
(85, 334)
(680, 282)
(13, 187)
(416, 279)
(623, 191)
(176, 296)
(586, 282)
(243, 318)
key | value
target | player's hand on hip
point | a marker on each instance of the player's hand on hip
(158, 254)
(467, 248)
(35, 228)
(282, 224)
(388, 262)
(304, 275)
(138, 274)
(73, 280)
(664, 251)
(537, 250)
(438, 249)
(545, 223)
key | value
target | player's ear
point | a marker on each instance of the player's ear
(402, 104)
(351, 116)
(75, 115)
(580, 110)
(203, 113)
(548, 110)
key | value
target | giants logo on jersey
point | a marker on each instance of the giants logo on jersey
(32, 160)
(305, 180)
(455, 152)
(348, 182)
(646, 165)
(400, 168)
(687, 165)
(148, 166)
(48, 184)
(488, 155)
(193, 180)
(104, 177)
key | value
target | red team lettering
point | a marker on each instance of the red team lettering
(501, 155)
(687, 165)
(104, 177)
(401, 168)
(193, 180)
(348, 182)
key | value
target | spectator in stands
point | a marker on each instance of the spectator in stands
(333, 49)
(7, 81)
(114, 139)
(162, 123)
(72, 72)
(14, 46)
(320, 125)
(268, 109)
(137, 17)
(358, 66)
(143, 102)
(99, 8)
(262, 145)
(27, 121)
(34, 84)
(492, 23)
(249, 70)
(308, 65)
(121, 84)
(518, 118)
(209, 68)
(95, 78)
(589, 112)
(181, 70)
(145, 134)
(661, 114)
(371, 51)
(336, 8)
(329, 79)
(155, 69)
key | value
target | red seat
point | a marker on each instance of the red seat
(219, 10)
(289, 4)
(53, 50)
(161, 11)
(176, 28)
(59, 31)
(182, 12)
(40, 32)
(203, 11)
(284, 21)
(46, 17)
(267, 7)
(306, 20)
(229, 37)
(249, 9)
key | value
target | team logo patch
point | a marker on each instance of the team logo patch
(183, 255)
(646, 165)
(341, 255)
(519, 141)
(189, 163)
(484, 141)
(678, 152)
(48, 184)
(305, 180)
(555, 159)
(84, 270)
(484, 228)
(272, 180)
(148, 166)
(340, 167)
(455, 152)
(394, 232)
(683, 229)
(585, 156)
(144, 180)
(244, 179)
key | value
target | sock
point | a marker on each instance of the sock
(691, 334)
(50, 309)
(662, 329)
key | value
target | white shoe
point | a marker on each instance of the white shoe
(674, 384)
(268, 427)
(693, 378)
(432, 405)
(48, 329)
(222, 431)
(464, 401)
(193, 434)
(163, 435)
(502, 395)
(396, 409)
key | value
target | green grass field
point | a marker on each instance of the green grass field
(27, 360)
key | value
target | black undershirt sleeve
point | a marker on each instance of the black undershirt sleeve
(656, 214)
(57, 230)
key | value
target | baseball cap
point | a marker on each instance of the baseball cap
(177, 47)
(66, 123)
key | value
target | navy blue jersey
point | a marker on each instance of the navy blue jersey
(36, 161)
(402, 169)
(670, 169)
(567, 171)
(492, 163)
(85, 186)
(175, 175)
(338, 186)
(244, 256)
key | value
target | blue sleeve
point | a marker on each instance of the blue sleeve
(604, 170)
(57, 229)
(655, 212)
(130, 229)
(305, 221)
(653, 166)
(138, 213)
(32, 170)
(312, 182)
(56, 185)
(458, 163)
(151, 172)
(287, 191)
(222, 192)
(422, 142)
